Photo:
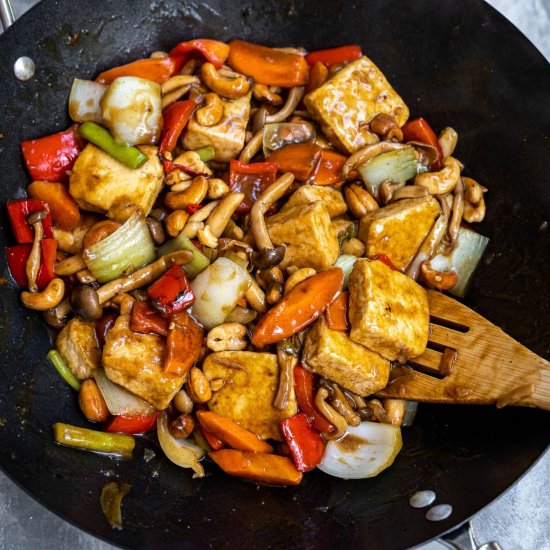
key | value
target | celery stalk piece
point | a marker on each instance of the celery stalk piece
(126, 154)
(92, 440)
(63, 369)
(206, 153)
(182, 242)
(397, 166)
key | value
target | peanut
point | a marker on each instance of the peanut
(175, 222)
(217, 188)
(227, 337)
(297, 277)
(359, 200)
(198, 387)
(92, 404)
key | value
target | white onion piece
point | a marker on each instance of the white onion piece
(119, 400)
(346, 262)
(363, 452)
(84, 100)
(181, 452)
(464, 258)
(131, 109)
(217, 290)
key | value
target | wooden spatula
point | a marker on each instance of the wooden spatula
(471, 361)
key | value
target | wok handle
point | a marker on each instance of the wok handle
(463, 539)
(6, 14)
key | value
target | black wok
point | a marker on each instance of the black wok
(456, 63)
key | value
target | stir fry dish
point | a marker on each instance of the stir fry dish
(233, 243)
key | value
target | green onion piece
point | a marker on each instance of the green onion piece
(62, 368)
(91, 440)
(182, 242)
(345, 262)
(206, 153)
(122, 252)
(126, 154)
(111, 500)
(397, 166)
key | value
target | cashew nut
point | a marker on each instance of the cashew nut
(194, 194)
(178, 81)
(474, 212)
(395, 409)
(262, 92)
(231, 88)
(191, 160)
(440, 280)
(207, 238)
(297, 277)
(49, 298)
(176, 177)
(447, 141)
(222, 213)
(217, 188)
(368, 152)
(444, 181)
(192, 228)
(386, 127)
(212, 112)
(227, 337)
(99, 231)
(198, 387)
(255, 296)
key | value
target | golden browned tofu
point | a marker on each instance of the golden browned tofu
(346, 103)
(77, 344)
(308, 194)
(388, 311)
(250, 383)
(136, 362)
(307, 235)
(398, 230)
(102, 184)
(333, 355)
(227, 137)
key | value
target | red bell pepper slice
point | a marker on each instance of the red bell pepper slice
(250, 179)
(146, 319)
(183, 344)
(172, 292)
(385, 260)
(158, 69)
(304, 381)
(175, 119)
(299, 158)
(305, 443)
(335, 56)
(48, 158)
(131, 424)
(211, 439)
(17, 259)
(419, 130)
(19, 209)
(213, 51)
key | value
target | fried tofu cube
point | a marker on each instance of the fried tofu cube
(388, 311)
(398, 230)
(250, 384)
(306, 233)
(333, 355)
(136, 362)
(100, 183)
(307, 194)
(346, 103)
(77, 344)
(227, 136)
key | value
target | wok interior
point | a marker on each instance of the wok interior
(497, 100)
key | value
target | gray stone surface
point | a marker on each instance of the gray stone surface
(519, 520)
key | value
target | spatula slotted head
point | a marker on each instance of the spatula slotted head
(470, 360)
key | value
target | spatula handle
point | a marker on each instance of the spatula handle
(6, 14)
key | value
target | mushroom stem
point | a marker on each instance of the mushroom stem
(34, 260)
(287, 362)
(252, 147)
(294, 97)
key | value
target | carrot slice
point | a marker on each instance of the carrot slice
(299, 308)
(328, 169)
(64, 210)
(158, 69)
(231, 433)
(267, 65)
(337, 312)
(265, 468)
(299, 158)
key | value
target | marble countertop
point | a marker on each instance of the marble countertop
(518, 520)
